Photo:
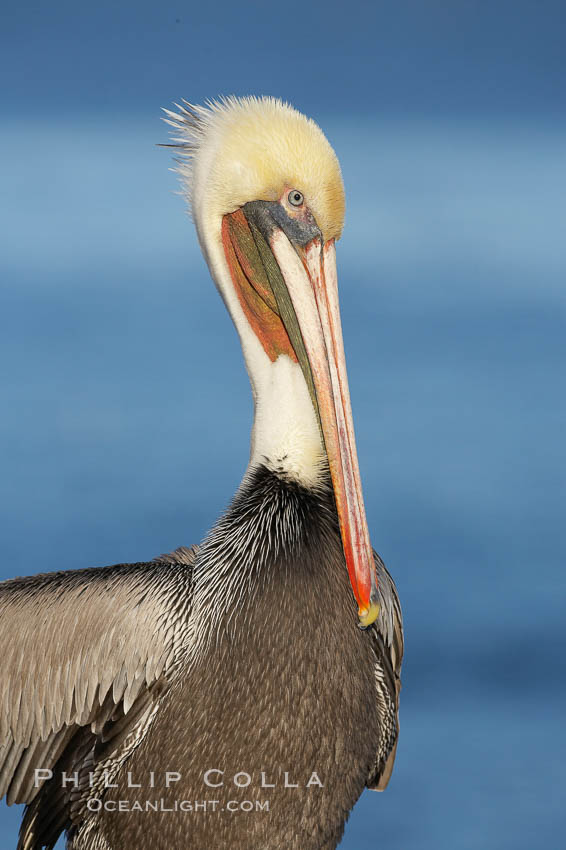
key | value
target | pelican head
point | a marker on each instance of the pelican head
(267, 198)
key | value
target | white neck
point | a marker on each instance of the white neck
(285, 436)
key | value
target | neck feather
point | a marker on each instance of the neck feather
(285, 436)
(277, 540)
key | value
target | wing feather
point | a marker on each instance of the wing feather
(84, 647)
(388, 645)
(12, 755)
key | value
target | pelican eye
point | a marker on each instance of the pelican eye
(295, 198)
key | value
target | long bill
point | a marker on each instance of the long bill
(299, 282)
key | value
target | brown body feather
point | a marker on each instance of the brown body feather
(108, 670)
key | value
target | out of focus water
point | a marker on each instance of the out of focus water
(126, 413)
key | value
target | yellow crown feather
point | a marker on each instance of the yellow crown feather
(237, 150)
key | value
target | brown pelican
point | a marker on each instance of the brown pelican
(150, 705)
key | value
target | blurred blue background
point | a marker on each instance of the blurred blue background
(125, 407)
